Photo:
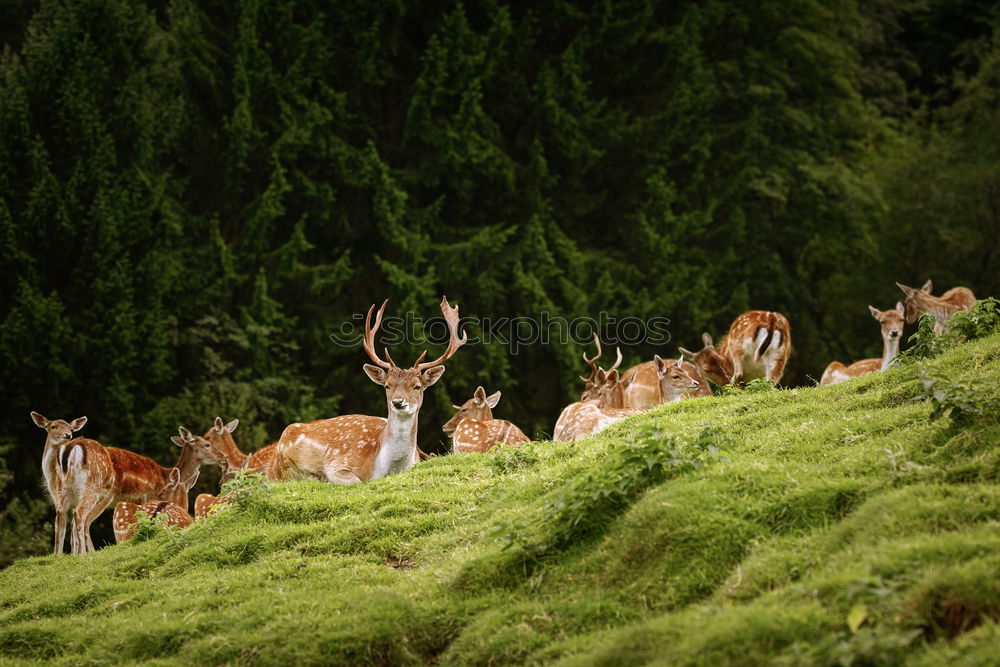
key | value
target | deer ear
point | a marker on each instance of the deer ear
(493, 399)
(601, 376)
(613, 376)
(246, 463)
(480, 394)
(874, 311)
(661, 364)
(177, 440)
(900, 308)
(908, 291)
(40, 421)
(218, 425)
(706, 339)
(377, 374)
(174, 477)
(77, 423)
(432, 375)
(190, 481)
(185, 434)
(687, 354)
(231, 426)
(928, 286)
(680, 363)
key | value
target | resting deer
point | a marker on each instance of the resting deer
(357, 448)
(941, 307)
(92, 477)
(591, 385)
(220, 436)
(758, 345)
(646, 388)
(474, 430)
(892, 328)
(126, 524)
(584, 418)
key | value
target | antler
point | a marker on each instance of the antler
(592, 362)
(370, 338)
(454, 342)
(618, 361)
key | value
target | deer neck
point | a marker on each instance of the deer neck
(397, 449)
(890, 348)
(234, 457)
(187, 464)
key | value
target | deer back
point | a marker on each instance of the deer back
(348, 442)
(125, 522)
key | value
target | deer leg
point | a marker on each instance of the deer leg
(775, 369)
(340, 475)
(60, 529)
(83, 516)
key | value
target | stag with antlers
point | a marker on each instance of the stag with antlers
(357, 448)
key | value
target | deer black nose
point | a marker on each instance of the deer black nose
(893, 334)
(694, 384)
(398, 403)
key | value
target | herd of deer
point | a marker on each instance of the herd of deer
(84, 478)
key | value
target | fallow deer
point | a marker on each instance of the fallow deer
(891, 322)
(474, 430)
(58, 433)
(646, 390)
(941, 307)
(590, 383)
(758, 345)
(93, 476)
(585, 418)
(357, 448)
(220, 436)
(125, 522)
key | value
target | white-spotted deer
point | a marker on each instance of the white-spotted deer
(646, 388)
(474, 430)
(356, 448)
(220, 436)
(891, 322)
(591, 384)
(92, 477)
(58, 433)
(125, 522)
(941, 307)
(585, 418)
(758, 345)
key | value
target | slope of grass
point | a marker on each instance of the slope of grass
(806, 526)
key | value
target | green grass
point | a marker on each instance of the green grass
(753, 540)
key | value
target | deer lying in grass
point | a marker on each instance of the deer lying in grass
(220, 436)
(474, 430)
(891, 322)
(126, 523)
(92, 477)
(941, 307)
(585, 418)
(646, 388)
(356, 448)
(758, 345)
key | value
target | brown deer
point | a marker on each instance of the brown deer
(585, 418)
(58, 433)
(126, 524)
(356, 448)
(220, 436)
(590, 383)
(941, 307)
(93, 477)
(474, 430)
(758, 345)
(891, 322)
(646, 390)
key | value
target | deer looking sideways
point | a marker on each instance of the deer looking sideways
(474, 430)
(892, 328)
(941, 307)
(86, 477)
(220, 437)
(758, 345)
(661, 381)
(356, 448)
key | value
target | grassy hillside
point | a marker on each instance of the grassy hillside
(827, 525)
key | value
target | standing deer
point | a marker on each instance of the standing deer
(758, 345)
(474, 430)
(58, 433)
(357, 448)
(646, 390)
(125, 522)
(941, 307)
(92, 477)
(891, 322)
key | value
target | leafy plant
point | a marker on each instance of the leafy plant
(982, 320)
(924, 343)
(245, 487)
(753, 387)
(962, 401)
(900, 464)
(149, 526)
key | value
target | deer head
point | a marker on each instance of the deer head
(713, 365)
(176, 489)
(916, 300)
(673, 378)
(199, 448)
(478, 407)
(593, 383)
(404, 387)
(891, 320)
(57, 431)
